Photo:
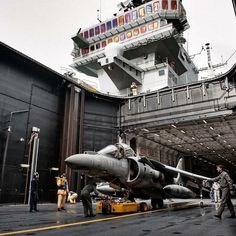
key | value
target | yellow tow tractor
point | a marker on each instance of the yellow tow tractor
(113, 206)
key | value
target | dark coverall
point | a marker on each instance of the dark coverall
(34, 194)
(86, 199)
(226, 185)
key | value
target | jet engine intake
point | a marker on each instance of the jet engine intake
(142, 175)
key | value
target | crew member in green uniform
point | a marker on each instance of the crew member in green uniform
(226, 187)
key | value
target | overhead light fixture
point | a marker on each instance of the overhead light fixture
(204, 121)
(180, 145)
(208, 148)
(201, 144)
(146, 130)
(188, 149)
(211, 128)
(182, 131)
(173, 126)
(193, 138)
(224, 141)
(54, 169)
(218, 135)
(157, 135)
(169, 141)
(24, 165)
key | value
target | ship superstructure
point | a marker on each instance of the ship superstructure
(142, 43)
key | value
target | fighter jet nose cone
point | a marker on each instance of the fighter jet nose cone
(71, 162)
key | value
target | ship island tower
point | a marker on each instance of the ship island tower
(142, 43)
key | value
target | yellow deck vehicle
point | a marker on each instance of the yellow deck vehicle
(112, 207)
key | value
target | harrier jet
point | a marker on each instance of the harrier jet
(144, 178)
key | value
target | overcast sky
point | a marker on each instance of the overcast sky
(42, 29)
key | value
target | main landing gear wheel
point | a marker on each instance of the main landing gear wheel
(155, 202)
(143, 207)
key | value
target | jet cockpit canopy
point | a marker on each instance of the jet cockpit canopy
(118, 150)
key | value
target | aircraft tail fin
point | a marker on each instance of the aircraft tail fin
(180, 166)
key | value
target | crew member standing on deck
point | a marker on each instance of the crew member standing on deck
(86, 198)
(62, 185)
(226, 187)
(133, 88)
(34, 196)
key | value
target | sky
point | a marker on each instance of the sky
(42, 29)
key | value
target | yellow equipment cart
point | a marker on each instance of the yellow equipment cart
(112, 207)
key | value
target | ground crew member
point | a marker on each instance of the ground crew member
(34, 192)
(216, 190)
(62, 185)
(226, 186)
(133, 88)
(86, 198)
(72, 196)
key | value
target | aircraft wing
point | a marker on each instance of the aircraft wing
(169, 170)
(157, 166)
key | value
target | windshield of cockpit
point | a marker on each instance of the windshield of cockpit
(109, 150)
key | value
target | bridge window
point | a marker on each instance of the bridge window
(115, 23)
(149, 8)
(121, 20)
(156, 6)
(85, 51)
(91, 32)
(134, 15)
(97, 30)
(92, 48)
(104, 44)
(116, 39)
(136, 32)
(109, 41)
(173, 5)
(164, 4)
(151, 26)
(98, 45)
(103, 28)
(127, 18)
(155, 25)
(143, 29)
(122, 36)
(109, 27)
(141, 12)
(86, 35)
(129, 34)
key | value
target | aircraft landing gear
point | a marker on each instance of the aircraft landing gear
(155, 202)
(160, 203)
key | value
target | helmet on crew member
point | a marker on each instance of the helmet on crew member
(36, 175)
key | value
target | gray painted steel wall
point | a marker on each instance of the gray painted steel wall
(24, 85)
